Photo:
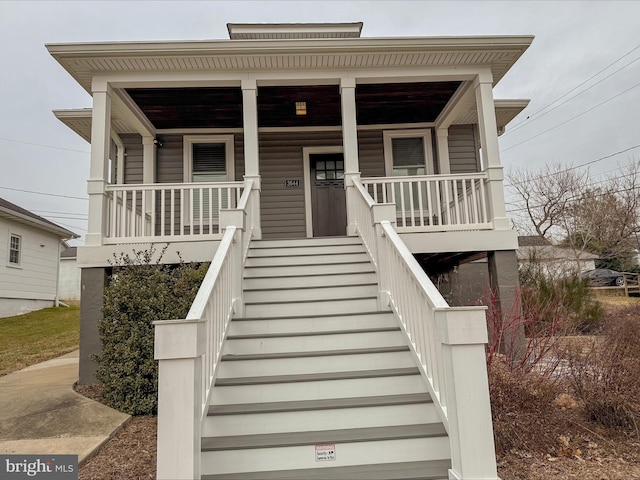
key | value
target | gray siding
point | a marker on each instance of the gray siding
(282, 209)
(133, 158)
(463, 149)
(371, 153)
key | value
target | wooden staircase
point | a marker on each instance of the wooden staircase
(315, 382)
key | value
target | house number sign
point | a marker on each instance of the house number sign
(292, 183)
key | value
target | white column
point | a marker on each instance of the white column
(442, 144)
(250, 127)
(98, 171)
(349, 124)
(251, 146)
(490, 151)
(148, 159)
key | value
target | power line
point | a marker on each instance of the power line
(523, 124)
(577, 197)
(60, 213)
(43, 193)
(572, 118)
(42, 145)
(577, 166)
(576, 87)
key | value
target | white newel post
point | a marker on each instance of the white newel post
(350, 198)
(98, 172)
(251, 146)
(237, 218)
(382, 212)
(462, 333)
(490, 151)
(179, 347)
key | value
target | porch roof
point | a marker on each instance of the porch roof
(84, 60)
(79, 120)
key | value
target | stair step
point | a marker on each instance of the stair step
(321, 259)
(313, 377)
(290, 439)
(315, 364)
(431, 470)
(306, 307)
(303, 250)
(307, 280)
(318, 390)
(316, 420)
(311, 324)
(314, 343)
(303, 293)
(331, 403)
(299, 457)
(321, 353)
(297, 242)
(317, 269)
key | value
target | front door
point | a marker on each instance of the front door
(328, 200)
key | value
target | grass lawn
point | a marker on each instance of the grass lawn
(37, 336)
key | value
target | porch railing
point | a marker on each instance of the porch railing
(448, 342)
(434, 202)
(167, 211)
(189, 349)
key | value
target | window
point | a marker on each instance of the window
(15, 244)
(408, 152)
(208, 159)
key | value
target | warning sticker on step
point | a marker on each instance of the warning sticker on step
(325, 453)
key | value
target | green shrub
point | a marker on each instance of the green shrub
(139, 293)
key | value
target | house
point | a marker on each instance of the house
(311, 165)
(552, 260)
(69, 279)
(29, 250)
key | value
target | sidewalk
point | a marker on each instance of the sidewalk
(40, 413)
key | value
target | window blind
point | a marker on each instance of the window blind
(209, 158)
(408, 151)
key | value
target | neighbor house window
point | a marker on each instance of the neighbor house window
(15, 248)
(208, 159)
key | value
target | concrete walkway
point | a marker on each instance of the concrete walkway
(40, 413)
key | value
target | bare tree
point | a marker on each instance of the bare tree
(563, 206)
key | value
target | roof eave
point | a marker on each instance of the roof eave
(61, 232)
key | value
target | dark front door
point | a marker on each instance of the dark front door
(327, 194)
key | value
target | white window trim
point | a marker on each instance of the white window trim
(20, 249)
(187, 148)
(388, 135)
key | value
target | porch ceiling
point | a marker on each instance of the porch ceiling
(221, 107)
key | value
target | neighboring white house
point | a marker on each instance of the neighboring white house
(553, 261)
(69, 280)
(29, 259)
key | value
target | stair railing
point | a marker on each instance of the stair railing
(189, 350)
(448, 342)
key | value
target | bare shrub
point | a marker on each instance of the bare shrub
(605, 377)
(524, 415)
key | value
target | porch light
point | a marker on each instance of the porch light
(301, 108)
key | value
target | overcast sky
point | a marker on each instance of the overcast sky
(590, 49)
